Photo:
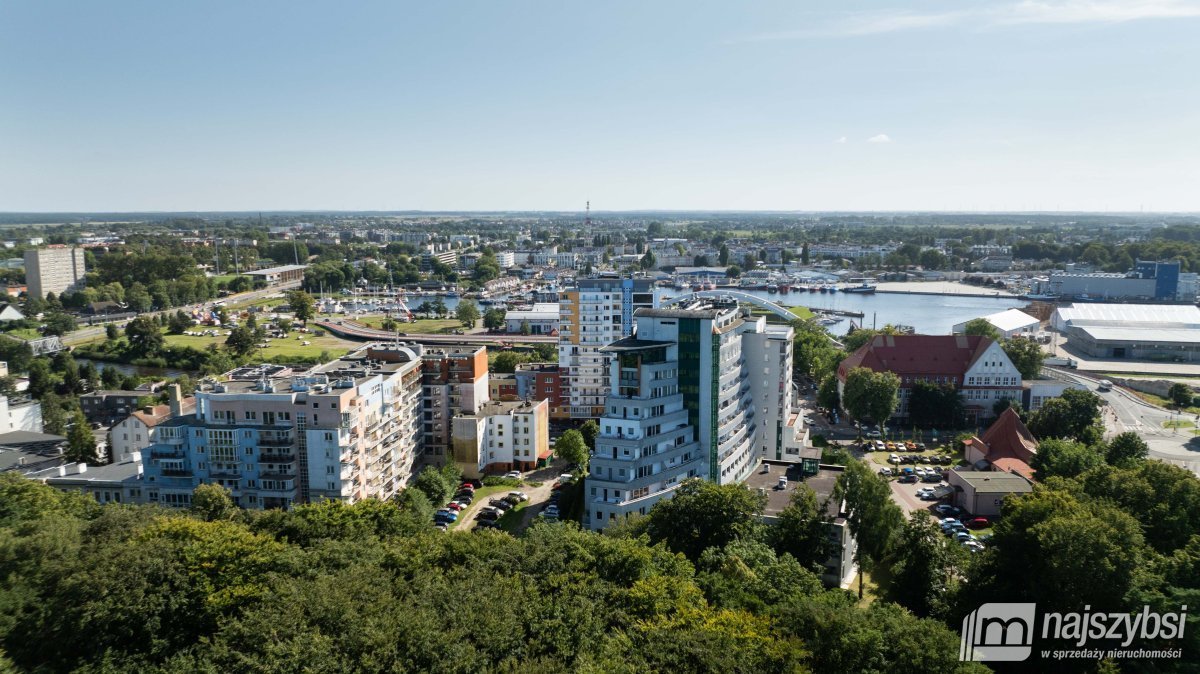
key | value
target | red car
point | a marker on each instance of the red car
(454, 506)
(978, 523)
(466, 486)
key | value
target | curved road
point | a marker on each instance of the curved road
(1127, 412)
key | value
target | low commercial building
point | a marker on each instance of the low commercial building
(273, 276)
(541, 319)
(1148, 280)
(982, 493)
(1157, 332)
(839, 569)
(1010, 323)
(120, 482)
(502, 436)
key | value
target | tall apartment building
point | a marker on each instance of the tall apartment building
(453, 381)
(703, 391)
(502, 436)
(346, 430)
(593, 314)
(53, 270)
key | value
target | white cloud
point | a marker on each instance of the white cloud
(840, 140)
(1025, 12)
(881, 138)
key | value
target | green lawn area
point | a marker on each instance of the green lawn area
(1178, 423)
(1162, 402)
(24, 333)
(269, 301)
(423, 326)
(224, 278)
(801, 312)
(875, 584)
(289, 347)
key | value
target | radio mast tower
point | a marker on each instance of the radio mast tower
(587, 217)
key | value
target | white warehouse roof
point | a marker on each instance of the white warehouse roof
(1128, 315)
(542, 311)
(1012, 320)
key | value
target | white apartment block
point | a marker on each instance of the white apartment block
(502, 436)
(690, 397)
(53, 270)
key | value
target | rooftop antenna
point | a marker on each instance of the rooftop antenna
(587, 217)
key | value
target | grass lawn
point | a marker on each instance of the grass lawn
(1162, 402)
(424, 326)
(801, 312)
(269, 301)
(1178, 423)
(224, 278)
(24, 333)
(875, 584)
(289, 347)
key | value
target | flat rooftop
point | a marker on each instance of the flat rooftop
(767, 477)
(494, 407)
(992, 481)
(356, 366)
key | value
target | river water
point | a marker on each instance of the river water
(928, 314)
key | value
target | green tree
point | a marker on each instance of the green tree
(212, 502)
(733, 271)
(703, 515)
(871, 396)
(801, 530)
(935, 406)
(81, 444)
(241, 341)
(415, 503)
(827, 393)
(1126, 450)
(58, 323)
(648, 260)
(179, 323)
(493, 319)
(723, 256)
(981, 327)
(110, 378)
(41, 381)
(1025, 355)
(389, 324)
(112, 332)
(467, 313)
(924, 566)
(144, 335)
(433, 484)
(590, 430)
(1180, 394)
(1074, 414)
(872, 516)
(303, 306)
(572, 448)
(507, 361)
(1064, 458)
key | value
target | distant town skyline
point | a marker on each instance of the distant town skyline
(933, 105)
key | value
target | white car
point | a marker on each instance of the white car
(522, 496)
(893, 458)
(920, 471)
(516, 474)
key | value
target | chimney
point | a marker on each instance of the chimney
(81, 468)
(176, 400)
(149, 410)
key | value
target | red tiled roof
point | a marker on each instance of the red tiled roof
(1011, 465)
(917, 354)
(1008, 437)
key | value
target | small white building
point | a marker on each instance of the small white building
(20, 415)
(501, 436)
(9, 312)
(1010, 323)
(140, 429)
(542, 319)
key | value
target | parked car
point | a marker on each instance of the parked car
(947, 509)
(511, 500)
(454, 505)
(566, 477)
(874, 434)
(894, 458)
(500, 503)
(783, 482)
(886, 472)
(519, 494)
(515, 474)
(487, 524)
(486, 516)
(963, 536)
(920, 472)
(979, 523)
(908, 478)
(467, 486)
(933, 475)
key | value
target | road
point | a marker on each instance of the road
(95, 332)
(1127, 412)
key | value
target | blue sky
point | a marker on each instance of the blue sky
(964, 105)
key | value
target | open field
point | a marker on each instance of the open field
(289, 347)
(801, 312)
(24, 333)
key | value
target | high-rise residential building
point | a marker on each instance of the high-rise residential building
(454, 381)
(346, 430)
(53, 269)
(701, 391)
(502, 436)
(593, 314)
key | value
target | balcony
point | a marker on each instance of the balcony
(275, 440)
(287, 457)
